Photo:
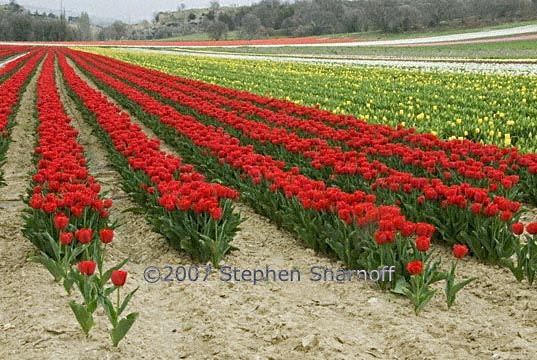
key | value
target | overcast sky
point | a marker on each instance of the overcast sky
(126, 10)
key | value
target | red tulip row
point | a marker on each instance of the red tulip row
(11, 88)
(197, 132)
(438, 156)
(8, 68)
(8, 51)
(64, 198)
(65, 205)
(413, 192)
(10, 93)
(455, 150)
(178, 192)
(318, 149)
(310, 208)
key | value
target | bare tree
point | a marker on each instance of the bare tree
(217, 29)
(84, 26)
(251, 26)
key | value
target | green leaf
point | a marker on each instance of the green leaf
(110, 311)
(109, 290)
(84, 318)
(124, 325)
(53, 244)
(462, 284)
(126, 301)
(92, 306)
(68, 284)
(438, 276)
(51, 265)
(76, 252)
(400, 286)
(428, 295)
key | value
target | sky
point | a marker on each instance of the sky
(126, 10)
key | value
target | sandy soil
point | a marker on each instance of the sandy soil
(494, 317)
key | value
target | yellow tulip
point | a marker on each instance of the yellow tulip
(507, 140)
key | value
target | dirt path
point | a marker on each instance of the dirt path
(494, 317)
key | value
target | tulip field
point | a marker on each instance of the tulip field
(362, 169)
(494, 109)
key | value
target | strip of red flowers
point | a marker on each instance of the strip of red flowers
(10, 50)
(66, 208)
(194, 215)
(377, 141)
(318, 150)
(326, 218)
(67, 217)
(353, 132)
(11, 91)
(461, 213)
(456, 161)
(8, 69)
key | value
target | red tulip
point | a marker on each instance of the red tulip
(531, 228)
(476, 208)
(49, 207)
(61, 221)
(118, 277)
(415, 267)
(380, 237)
(84, 235)
(423, 243)
(107, 203)
(216, 213)
(87, 267)
(106, 235)
(66, 238)
(506, 215)
(408, 229)
(491, 210)
(424, 229)
(518, 228)
(460, 251)
(77, 211)
(95, 187)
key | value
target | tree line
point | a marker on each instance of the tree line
(19, 24)
(318, 17)
(271, 18)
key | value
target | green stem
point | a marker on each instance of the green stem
(117, 312)
(84, 219)
(101, 262)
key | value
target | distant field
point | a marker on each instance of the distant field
(232, 35)
(522, 49)
(369, 35)
(378, 35)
